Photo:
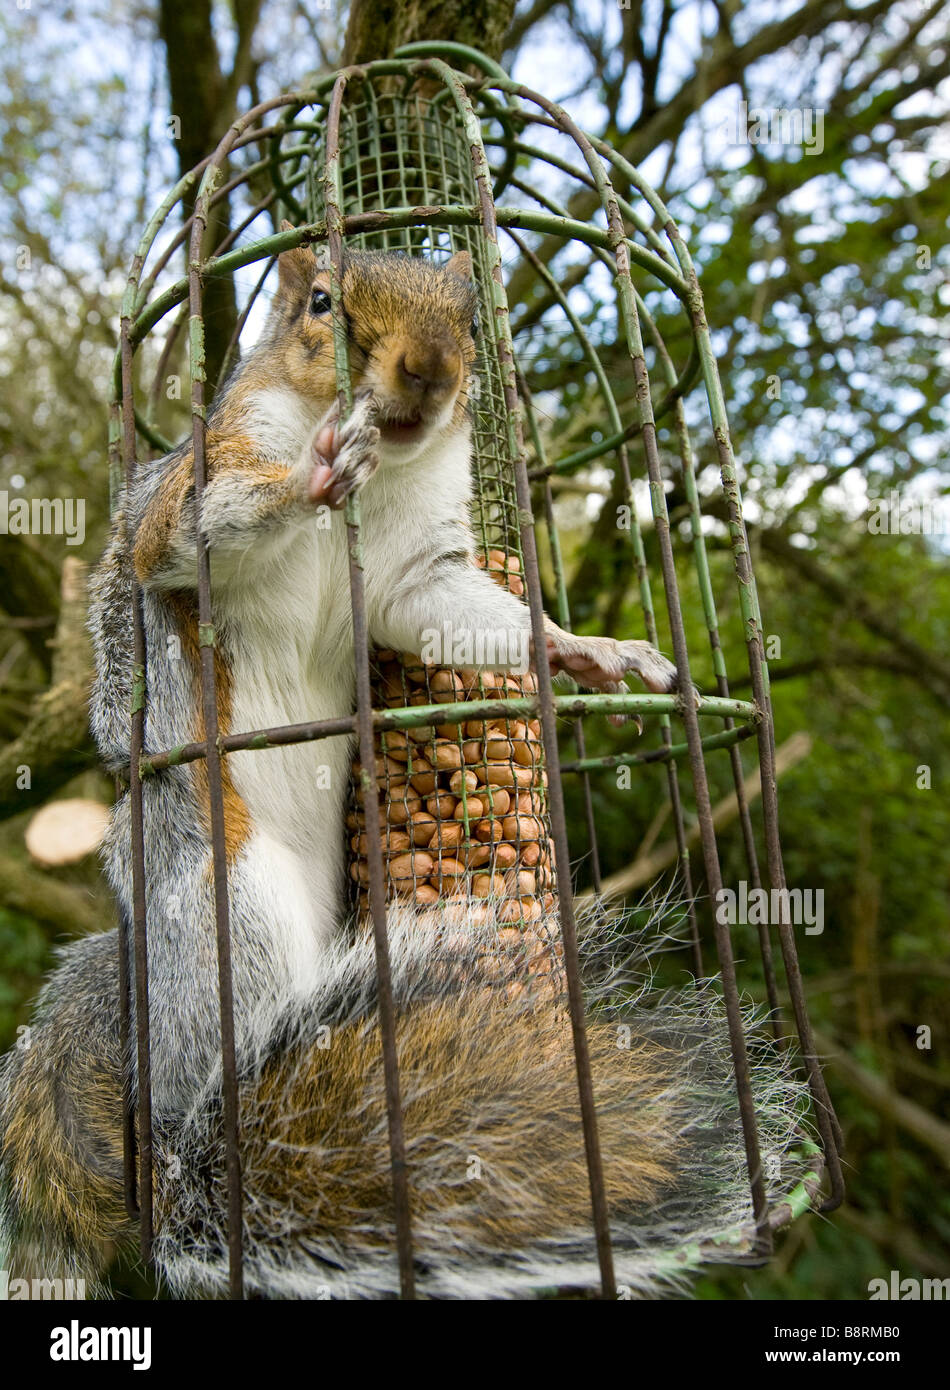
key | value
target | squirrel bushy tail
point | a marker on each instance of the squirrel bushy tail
(62, 1212)
(500, 1196)
(494, 1142)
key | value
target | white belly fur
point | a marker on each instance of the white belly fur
(293, 662)
(295, 665)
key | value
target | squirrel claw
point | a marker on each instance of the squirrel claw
(620, 721)
(343, 453)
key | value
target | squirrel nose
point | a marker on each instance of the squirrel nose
(429, 366)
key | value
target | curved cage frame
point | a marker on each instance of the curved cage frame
(338, 158)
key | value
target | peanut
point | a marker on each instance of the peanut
(504, 775)
(401, 809)
(422, 775)
(448, 835)
(476, 855)
(487, 829)
(446, 687)
(441, 805)
(447, 756)
(522, 828)
(488, 886)
(422, 828)
(418, 865)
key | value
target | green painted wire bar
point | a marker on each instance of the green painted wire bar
(566, 706)
(725, 739)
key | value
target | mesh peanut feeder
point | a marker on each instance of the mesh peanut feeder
(462, 807)
(457, 802)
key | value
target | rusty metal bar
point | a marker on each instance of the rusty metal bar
(567, 706)
(646, 598)
(700, 784)
(690, 718)
(701, 791)
(824, 1111)
(143, 1104)
(124, 934)
(364, 713)
(532, 578)
(737, 734)
(564, 618)
(672, 774)
(748, 599)
(562, 866)
(129, 1146)
(722, 680)
(209, 703)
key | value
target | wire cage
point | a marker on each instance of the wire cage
(418, 154)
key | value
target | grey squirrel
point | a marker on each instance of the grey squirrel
(280, 464)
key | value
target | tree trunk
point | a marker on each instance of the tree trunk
(203, 102)
(378, 27)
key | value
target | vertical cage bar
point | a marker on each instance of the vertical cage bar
(690, 717)
(505, 351)
(646, 595)
(364, 708)
(694, 740)
(209, 704)
(748, 601)
(137, 827)
(758, 670)
(564, 619)
(129, 1156)
(704, 580)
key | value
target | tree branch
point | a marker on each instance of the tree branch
(43, 897)
(911, 1117)
(30, 590)
(55, 744)
(845, 594)
(645, 868)
(204, 102)
(724, 62)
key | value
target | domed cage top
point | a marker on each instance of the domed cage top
(417, 154)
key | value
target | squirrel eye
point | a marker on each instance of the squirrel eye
(474, 328)
(319, 302)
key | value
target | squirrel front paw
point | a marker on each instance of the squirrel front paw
(343, 453)
(600, 663)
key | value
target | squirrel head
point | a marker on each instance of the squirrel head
(411, 326)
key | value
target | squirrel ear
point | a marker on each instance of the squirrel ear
(460, 264)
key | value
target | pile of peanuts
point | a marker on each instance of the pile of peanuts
(461, 806)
